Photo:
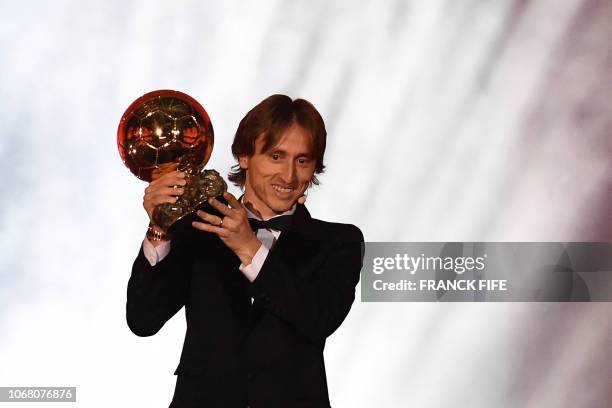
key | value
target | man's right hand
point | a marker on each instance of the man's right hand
(164, 189)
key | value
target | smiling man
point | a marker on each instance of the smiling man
(263, 283)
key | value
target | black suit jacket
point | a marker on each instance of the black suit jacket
(265, 354)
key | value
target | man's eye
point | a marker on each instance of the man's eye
(303, 160)
(275, 156)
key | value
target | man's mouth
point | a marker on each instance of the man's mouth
(282, 189)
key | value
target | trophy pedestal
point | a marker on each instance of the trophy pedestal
(198, 189)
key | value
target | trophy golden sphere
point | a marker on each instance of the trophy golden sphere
(164, 130)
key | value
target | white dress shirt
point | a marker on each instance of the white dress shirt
(267, 237)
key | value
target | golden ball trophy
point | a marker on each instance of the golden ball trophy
(168, 130)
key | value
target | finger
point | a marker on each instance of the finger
(232, 201)
(170, 191)
(174, 178)
(162, 170)
(159, 199)
(163, 199)
(212, 219)
(219, 206)
(150, 204)
(172, 181)
(166, 191)
(176, 174)
(208, 228)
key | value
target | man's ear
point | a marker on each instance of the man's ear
(244, 162)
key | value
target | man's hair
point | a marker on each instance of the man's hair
(272, 117)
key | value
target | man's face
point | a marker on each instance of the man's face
(277, 178)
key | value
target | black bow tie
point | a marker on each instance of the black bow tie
(281, 223)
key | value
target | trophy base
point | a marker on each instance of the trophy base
(198, 189)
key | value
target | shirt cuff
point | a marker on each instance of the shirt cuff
(155, 254)
(252, 270)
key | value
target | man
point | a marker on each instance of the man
(259, 299)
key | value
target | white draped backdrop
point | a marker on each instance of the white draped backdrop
(456, 120)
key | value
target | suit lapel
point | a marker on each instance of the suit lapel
(296, 247)
(299, 244)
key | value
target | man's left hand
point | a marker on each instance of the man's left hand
(233, 228)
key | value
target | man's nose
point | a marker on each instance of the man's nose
(288, 173)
